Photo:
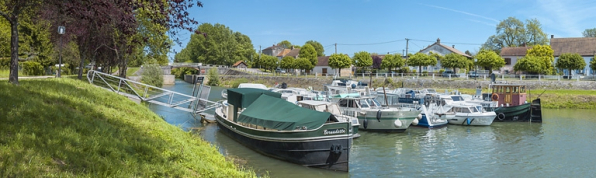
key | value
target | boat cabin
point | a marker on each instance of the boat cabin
(360, 102)
(463, 109)
(508, 94)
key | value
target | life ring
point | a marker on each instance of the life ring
(501, 116)
(495, 97)
(379, 115)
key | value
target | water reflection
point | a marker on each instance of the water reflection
(562, 146)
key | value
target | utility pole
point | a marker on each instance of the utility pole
(403, 52)
(407, 42)
(335, 48)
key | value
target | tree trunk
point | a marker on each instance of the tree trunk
(419, 69)
(14, 51)
(82, 56)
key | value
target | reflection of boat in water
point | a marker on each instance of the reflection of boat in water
(262, 121)
(324, 106)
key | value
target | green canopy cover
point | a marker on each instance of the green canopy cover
(277, 113)
(243, 97)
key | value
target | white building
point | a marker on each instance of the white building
(441, 49)
(511, 56)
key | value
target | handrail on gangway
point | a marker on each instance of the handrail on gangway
(197, 103)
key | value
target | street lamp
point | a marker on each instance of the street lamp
(476, 69)
(61, 31)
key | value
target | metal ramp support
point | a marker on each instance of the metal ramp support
(197, 103)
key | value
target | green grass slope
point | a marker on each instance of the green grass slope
(68, 128)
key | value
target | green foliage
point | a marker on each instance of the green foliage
(590, 32)
(512, 32)
(392, 61)
(339, 61)
(180, 72)
(152, 75)
(34, 41)
(86, 131)
(489, 59)
(304, 64)
(571, 61)
(530, 64)
(362, 59)
(4, 38)
(238, 81)
(66, 69)
(213, 77)
(403, 70)
(268, 62)
(4, 62)
(421, 59)
(32, 68)
(318, 47)
(217, 45)
(308, 52)
(441, 71)
(287, 62)
(454, 61)
(285, 43)
(546, 55)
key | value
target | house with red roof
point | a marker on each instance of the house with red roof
(240, 65)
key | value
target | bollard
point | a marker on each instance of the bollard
(433, 76)
(520, 77)
(449, 76)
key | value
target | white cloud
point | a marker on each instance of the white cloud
(485, 23)
(463, 12)
(570, 17)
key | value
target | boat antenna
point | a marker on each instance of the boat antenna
(541, 94)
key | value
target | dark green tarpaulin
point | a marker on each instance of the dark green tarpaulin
(277, 113)
(243, 97)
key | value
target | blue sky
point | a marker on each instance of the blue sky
(381, 26)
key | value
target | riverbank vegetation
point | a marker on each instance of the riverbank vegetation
(68, 128)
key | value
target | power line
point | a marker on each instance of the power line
(459, 43)
(372, 43)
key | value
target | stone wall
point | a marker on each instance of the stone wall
(317, 83)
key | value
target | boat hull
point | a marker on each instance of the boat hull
(388, 121)
(478, 120)
(425, 122)
(522, 113)
(306, 149)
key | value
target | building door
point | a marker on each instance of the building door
(324, 70)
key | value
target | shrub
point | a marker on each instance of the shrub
(403, 70)
(32, 68)
(213, 77)
(441, 71)
(425, 73)
(237, 82)
(4, 62)
(414, 71)
(152, 75)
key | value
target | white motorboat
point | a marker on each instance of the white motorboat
(465, 114)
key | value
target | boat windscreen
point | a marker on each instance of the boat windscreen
(457, 98)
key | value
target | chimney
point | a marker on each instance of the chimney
(524, 44)
(292, 47)
(438, 41)
(453, 46)
(552, 36)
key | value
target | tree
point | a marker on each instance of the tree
(288, 62)
(421, 59)
(268, 62)
(454, 61)
(4, 38)
(512, 32)
(590, 32)
(392, 61)
(362, 59)
(376, 62)
(304, 64)
(318, 47)
(339, 61)
(531, 64)
(285, 43)
(571, 61)
(489, 59)
(545, 55)
(152, 74)
(308, 52)
(12, 10)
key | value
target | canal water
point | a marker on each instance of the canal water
(564, 145)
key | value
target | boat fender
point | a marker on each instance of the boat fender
(501, 116)
(379, 115)
(397, 123)
(468, 121)
(442, 102)
(415, 122)
(426, 103)
(336, 149)
(365, 123)
(419, 116)
(495, 97)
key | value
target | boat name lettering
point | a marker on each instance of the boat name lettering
(334, 131)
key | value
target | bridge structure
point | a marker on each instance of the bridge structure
(196, 103)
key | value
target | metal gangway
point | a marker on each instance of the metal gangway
(196, 104)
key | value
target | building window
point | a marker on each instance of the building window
(507, 61)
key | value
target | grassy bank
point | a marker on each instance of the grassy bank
(68, 128)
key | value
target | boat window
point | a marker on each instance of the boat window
(343, 103)
(352, 104)
(457, 98)
(465, 110)
(515, 89)
(363, 103)
(373, 102)
(508, 89)
(522, 89)
(478, 109)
